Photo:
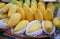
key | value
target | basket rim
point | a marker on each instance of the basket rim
(19, 36)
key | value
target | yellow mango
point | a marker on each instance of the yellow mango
(12, 10)
(28, 12)
(51, 6)
(2, 16)
(6, 8)
(41, 7)
(48, 26)
(34, 27)
(21, 25)
(13, 20)
(19, 3)
(56, 22)
(49, 14)
(38, 15)
(22, 12)
(33, 5)
(2, 5)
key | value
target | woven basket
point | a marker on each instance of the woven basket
(23, 37)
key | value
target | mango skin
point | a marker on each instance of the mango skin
(14, 19)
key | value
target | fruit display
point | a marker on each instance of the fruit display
(29, 16)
